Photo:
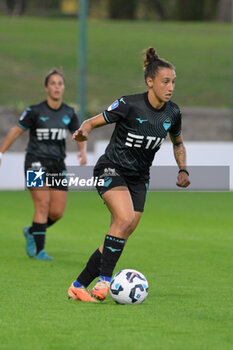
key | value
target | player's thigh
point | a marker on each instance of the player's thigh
(57, 203)
(119, 203)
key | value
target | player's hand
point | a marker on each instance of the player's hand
(80, 135)
(183, 180)
(82, 158)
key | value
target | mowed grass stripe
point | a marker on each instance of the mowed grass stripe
(183, 245)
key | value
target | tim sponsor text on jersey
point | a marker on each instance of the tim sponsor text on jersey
(51, 134)
(137, 141)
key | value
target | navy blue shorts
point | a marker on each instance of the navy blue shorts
(114, 178)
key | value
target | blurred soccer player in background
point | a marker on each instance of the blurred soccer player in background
(48, 123)
(142, 123)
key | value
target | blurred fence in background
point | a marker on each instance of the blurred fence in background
(196, 43)
(220, 10)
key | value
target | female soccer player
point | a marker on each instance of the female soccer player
(142, 123)
(48, 123)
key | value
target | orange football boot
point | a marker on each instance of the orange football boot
(80, 293)
(101, 289)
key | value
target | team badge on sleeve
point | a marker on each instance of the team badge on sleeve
(114, 105)
(25, 113)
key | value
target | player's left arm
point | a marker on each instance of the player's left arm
(82, 146)
(82, 156)
(180, 157)
(87, 126)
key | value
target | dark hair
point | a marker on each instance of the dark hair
(153, 62)
(52, 72)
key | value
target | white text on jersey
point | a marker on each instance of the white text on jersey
(133, 140)
(51, 134)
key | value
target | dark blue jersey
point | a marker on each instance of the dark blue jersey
(139, 132)
(48, 129)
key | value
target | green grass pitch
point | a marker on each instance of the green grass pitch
(183, 245)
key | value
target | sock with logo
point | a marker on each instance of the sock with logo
(50, 222)
(104, 278)
(38, 231)
(91, 271)
(113, 247)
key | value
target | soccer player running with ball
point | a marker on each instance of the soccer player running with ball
(142, 123)
(48, 123)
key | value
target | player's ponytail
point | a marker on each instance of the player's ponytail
(152, 62)
(151, 56)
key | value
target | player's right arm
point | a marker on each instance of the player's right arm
(10, 138)
(116, 111)
(87, 126)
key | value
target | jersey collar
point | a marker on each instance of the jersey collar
(150, 106)
(52, 109)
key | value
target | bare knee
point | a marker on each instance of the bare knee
(56, 214)
(124, 222)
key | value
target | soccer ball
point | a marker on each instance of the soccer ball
(129, 287)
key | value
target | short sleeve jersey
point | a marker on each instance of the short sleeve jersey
(139, 132)
(48, 129)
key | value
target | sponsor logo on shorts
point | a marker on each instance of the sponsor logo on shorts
(110, 172)
(107, 181)
(36, 165)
